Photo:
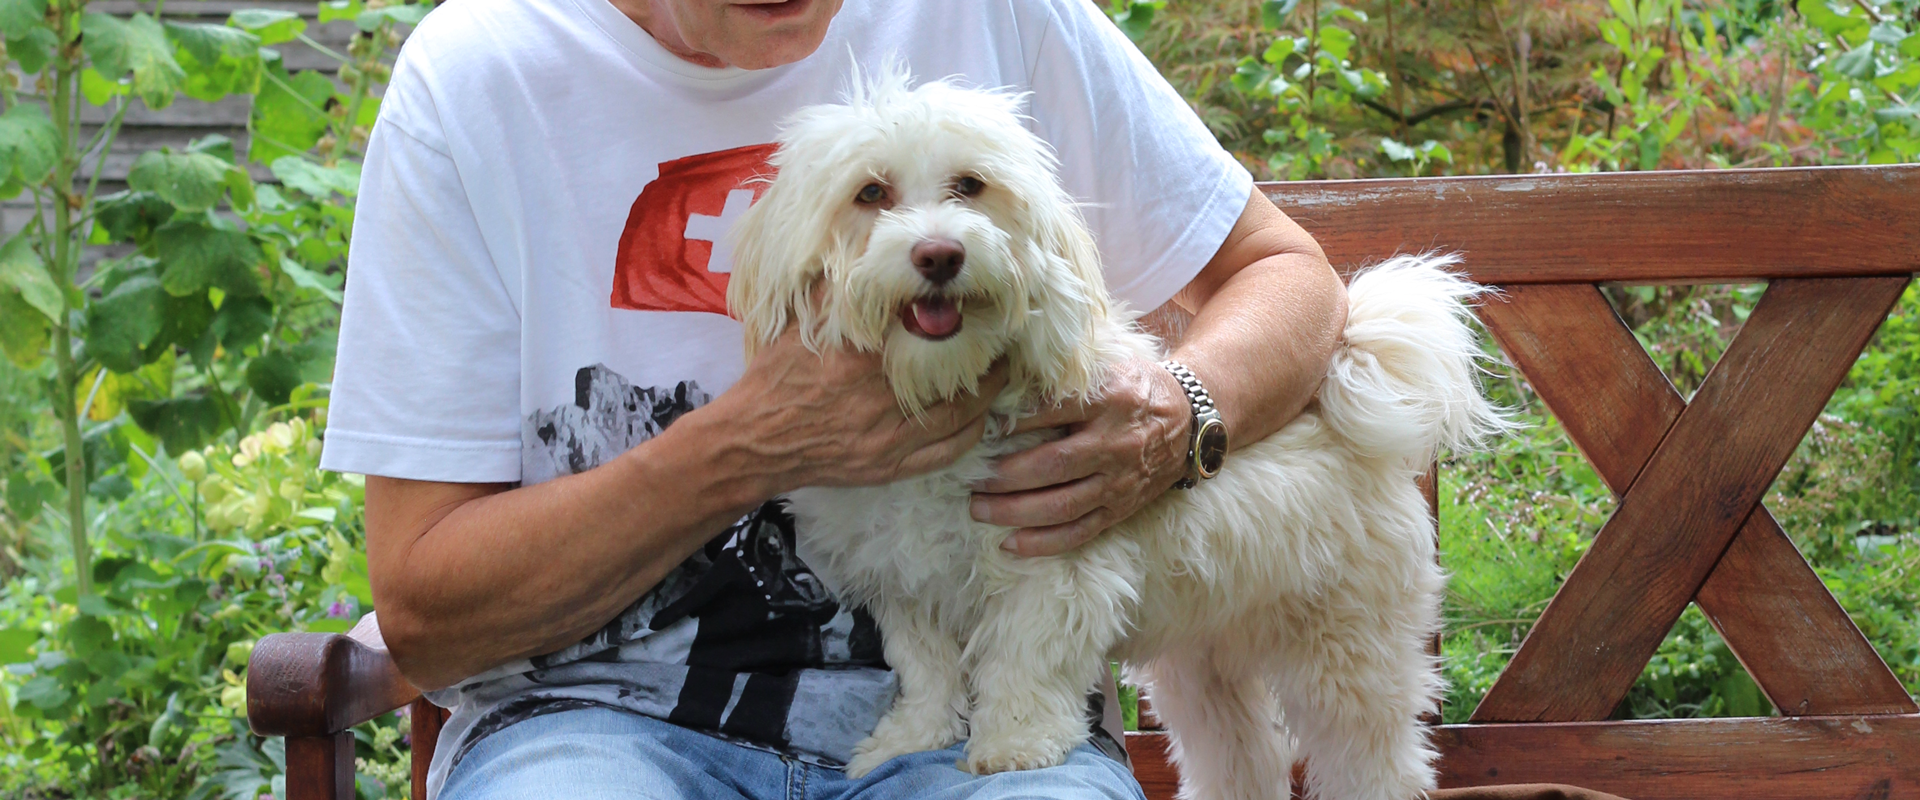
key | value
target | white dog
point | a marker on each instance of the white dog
(1299, 585)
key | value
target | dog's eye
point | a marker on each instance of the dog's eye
(871, 193)
(968, 186)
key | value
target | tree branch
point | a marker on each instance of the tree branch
(1417, 117)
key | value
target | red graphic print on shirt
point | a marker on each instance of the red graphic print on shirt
(674, 254)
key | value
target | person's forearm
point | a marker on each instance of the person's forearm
(530, 570)
(1262, 341)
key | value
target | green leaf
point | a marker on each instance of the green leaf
(1273, 13)
(288, 113)
(331, 10)
(24, 332)
(1856, 63)
(273, 377)
(97, 606)
(1278, 52)
(202, 250)
(98, 89)
(123, 323)
(1887, 33)
(23, 496)
(89, 635)
(187, 319)
(44, 692)
(1336, 42)
(208, 44)
(1396, 151)
(1910, 46)
(240, 189)
(327, 285)
(131, 216)
(22, 269)
(1828, 18)
(273, 26)
(190, 181)
(1134, 17)
(412, 14)
(29, 143)
(19, 15)
(218, 60)
(31, 50)
(215, 145)
(182, 423)
(315, 180)
(14, 643)
(138, 45)
(241, 321)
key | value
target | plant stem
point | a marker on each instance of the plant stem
(62, 269)
(107, 135)
(344, 136)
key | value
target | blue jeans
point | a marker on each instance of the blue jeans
(602, 754)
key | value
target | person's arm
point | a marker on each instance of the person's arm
(1267, 311)
(470, 576)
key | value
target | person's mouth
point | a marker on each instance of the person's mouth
(934, 318)
(777, 9)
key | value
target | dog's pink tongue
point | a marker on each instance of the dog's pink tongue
(936, 316)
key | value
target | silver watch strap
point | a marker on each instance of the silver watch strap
(1202, 406)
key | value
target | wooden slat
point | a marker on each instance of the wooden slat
(320, 767)
(1152, 764)
(1697, 490)
(1160, 779)
(1781, 622)
(427, 719)
(1781, 758)
(1632, 226)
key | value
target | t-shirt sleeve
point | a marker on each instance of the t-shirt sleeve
(427, 380)
(1158, 190)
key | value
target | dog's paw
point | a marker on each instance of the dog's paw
(899, 734)
(988, 758)
(873, 751)
(867, 759)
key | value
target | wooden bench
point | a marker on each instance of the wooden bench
(1837, 245)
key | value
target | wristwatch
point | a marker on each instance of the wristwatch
(1207, 443)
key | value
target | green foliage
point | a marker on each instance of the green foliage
(1337, 88)
(171, 430)
(142, 685)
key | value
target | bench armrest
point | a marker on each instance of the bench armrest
(319, 684)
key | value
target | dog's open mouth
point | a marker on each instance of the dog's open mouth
(933, 318)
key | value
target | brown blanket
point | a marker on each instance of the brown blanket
(1522, 791)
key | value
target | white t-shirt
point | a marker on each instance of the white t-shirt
(538, 275)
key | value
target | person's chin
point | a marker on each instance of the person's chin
(776, 46)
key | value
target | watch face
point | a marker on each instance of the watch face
(1210, 448)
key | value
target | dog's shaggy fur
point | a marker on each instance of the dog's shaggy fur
(1279, 610)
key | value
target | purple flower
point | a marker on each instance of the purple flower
(337, 611)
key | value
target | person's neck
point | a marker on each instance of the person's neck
(653, 17)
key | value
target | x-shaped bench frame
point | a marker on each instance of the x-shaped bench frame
(1690, 524)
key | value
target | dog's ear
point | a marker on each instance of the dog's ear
(1059, 351)
(770, 279)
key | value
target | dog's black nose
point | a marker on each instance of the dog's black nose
(938, 259)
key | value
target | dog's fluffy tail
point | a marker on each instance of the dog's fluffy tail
(1404, 381)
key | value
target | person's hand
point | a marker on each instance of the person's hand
(829, 419)
(1119, 454)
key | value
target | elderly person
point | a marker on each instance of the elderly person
(572, 470)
